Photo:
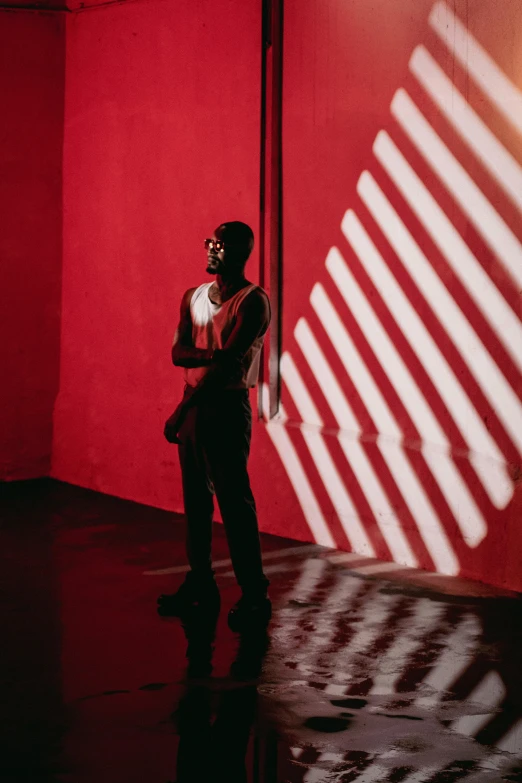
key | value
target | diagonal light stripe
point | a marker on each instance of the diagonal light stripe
(287, 620)
(421, 775)
(343, 557)
(472, 275)
(496, 389)
(432, 533)
(377, 568)
(456, 492)
(511, 742)
(367, 630)
(340, 597)
(311, 573)
(395, 368)
(299, 480)
(495, 232)
(373, 774)
(353, 363)
(329, 756)
(459, 649)
(481, 67)
(493, 765)
(332, 481)
(319, 773)
(336, 689)
(495, 157)
(424, 616)
(283, 567)
(315, 774)
(384, 514)
(274, 555)
(489, 694)
(374, 625)
(492, 473)
(325, 378)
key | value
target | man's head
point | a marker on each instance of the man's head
(229, 249)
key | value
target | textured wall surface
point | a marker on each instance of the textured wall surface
(161, 145)
(32, 57)
(402, 279)
(400, 432)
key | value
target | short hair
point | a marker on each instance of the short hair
(239, 234)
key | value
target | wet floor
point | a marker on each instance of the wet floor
(368, 673)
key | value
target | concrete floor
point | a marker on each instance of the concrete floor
(369, 673)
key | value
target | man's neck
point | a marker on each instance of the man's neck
(227, 286)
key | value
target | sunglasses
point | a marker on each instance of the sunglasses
(214, 244)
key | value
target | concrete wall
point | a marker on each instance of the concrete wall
(401, 420)
(32, 61)
(161, 145)
(402, 279)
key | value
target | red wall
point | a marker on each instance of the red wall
(161, 145)
(398, 460)
(423, 397)
(32, 58)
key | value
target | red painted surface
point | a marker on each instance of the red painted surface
(60, 5)
(32, 58)
(343, 65)
(162, 144)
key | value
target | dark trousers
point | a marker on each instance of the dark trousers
(214, 449)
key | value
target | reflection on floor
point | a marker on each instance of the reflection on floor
(369, 673)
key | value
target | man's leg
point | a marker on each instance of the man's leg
(227, 447)
(199, 587)
(197, 496)
(238, 510)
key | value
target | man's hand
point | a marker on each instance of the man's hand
(173, 424)
(175, 420)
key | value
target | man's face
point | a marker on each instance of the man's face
(216, 258)
(225, 256)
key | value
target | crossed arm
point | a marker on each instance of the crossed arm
(184, 354)
(253, 318)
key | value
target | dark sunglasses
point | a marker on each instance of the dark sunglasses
(214, 244)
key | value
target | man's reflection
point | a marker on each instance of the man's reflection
(214, 727)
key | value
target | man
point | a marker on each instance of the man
(218, 342)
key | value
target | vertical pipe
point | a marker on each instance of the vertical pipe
(270, 189)
(265, 45)
(276, 204)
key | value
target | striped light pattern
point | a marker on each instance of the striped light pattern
(391, 653)
(459, 390)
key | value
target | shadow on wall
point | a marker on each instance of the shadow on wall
(417, 331)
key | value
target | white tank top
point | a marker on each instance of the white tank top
(211, 327)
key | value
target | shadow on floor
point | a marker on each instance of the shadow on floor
(362, 679)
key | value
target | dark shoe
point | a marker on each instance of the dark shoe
(250, 612)
(195, 594)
